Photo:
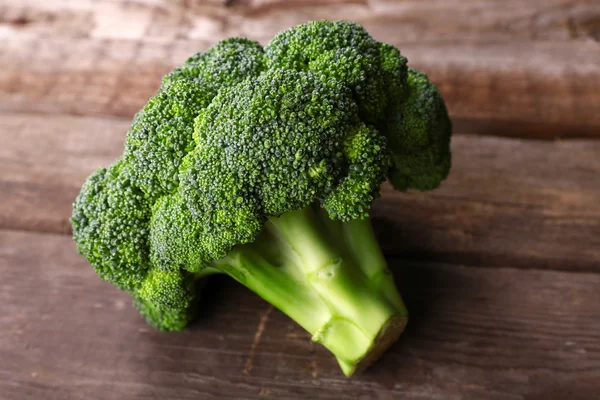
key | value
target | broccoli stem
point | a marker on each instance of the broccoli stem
(363, 246)
(328, 276)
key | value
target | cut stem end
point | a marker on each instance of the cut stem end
(387, 336)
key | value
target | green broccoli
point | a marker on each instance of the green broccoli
(263, 164)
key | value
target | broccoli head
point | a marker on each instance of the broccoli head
(263, 164)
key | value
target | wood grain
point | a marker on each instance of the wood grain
(507, 202)
(499, 267)
(44, 160)
(408, 20)
(512, 68)
(474, 333)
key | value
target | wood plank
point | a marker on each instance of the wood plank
(410, 20)
(506, 202)
(475, 333)
(44, 161)
(513, 68)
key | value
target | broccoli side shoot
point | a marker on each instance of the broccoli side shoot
(418, 131)
(110, 225)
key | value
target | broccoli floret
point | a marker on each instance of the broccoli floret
(161, 133)
(110, 225)
(283, 145)
(367, 162)
(336, 51)
(174, 236)
(263, 165)
(418, 131)
(167, 300)
(225, 64)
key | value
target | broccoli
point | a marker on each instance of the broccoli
(262, 164)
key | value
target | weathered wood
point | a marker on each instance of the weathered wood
(474, 333)
(409, 20)
(506, 202)
(513, 68)
(44, 160)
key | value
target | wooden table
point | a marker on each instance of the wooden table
(500, 267)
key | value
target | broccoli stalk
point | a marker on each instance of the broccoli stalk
(328, 276)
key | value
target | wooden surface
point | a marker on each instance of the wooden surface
(500, 267)
(505, 67)
(499, 333)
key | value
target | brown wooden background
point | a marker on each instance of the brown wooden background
(500, 267)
